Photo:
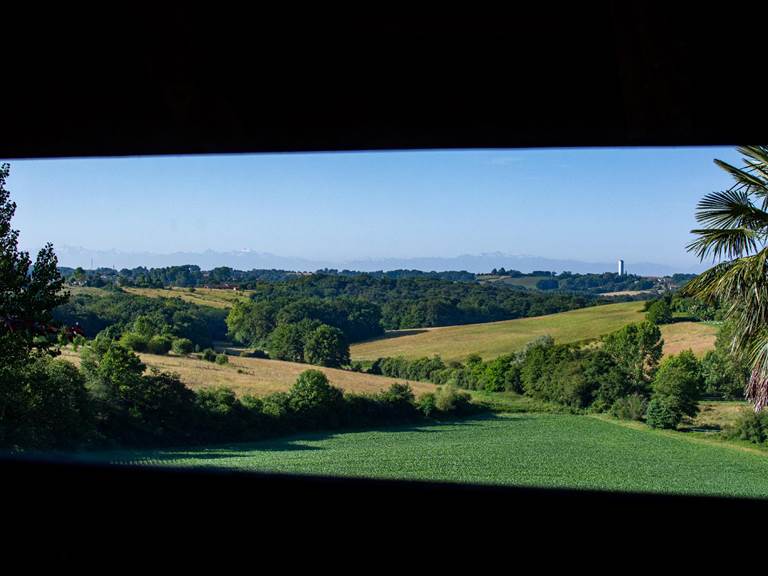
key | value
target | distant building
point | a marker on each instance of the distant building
(622, 271)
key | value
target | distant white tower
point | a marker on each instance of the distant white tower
(621, 268)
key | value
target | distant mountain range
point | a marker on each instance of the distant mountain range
(248, 260)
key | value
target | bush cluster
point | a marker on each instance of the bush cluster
(113, 400)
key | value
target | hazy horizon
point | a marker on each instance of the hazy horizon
(575, 205)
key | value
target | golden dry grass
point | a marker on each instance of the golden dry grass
(214, 297)
(697, 336)
(258, 376)
(719, 414)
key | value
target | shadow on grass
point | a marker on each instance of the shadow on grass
(293, 443)
(395, 334)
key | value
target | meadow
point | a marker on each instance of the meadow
(492, 339)
(257, 376)
(544, 450)
(214, 297)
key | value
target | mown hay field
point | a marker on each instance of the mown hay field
(547, 450)
(257, 376)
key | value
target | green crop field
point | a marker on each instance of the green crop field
(548, 450)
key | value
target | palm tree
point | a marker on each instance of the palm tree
(735, 235)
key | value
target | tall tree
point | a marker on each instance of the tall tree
(28, 293)
(734, 234)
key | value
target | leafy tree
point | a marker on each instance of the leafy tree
(28, 293)
(287, 340)
(183, 346)
(636, 349)
(659, 312)
(134, 341)
(326, 346)
(314, 401)
(159, 344)
(251, 322)
(56, 411)
(735, 228)
(679, 380)
(663, 412)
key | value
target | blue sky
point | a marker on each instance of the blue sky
(581, 204)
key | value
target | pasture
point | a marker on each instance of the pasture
(214, 297)
(545, 450)
(697, 336)
(257, 376)
(492, 339)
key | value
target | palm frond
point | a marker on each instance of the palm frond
(731, 209)
(757, 153)
(757, 386)
(743, 177)
(724, 242)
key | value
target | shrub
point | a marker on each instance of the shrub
(209, 355)
(314, 401)
(630, 407)
(54, 410)
(679, 379)
(751, 427)
(659, 312)
(450, 399)
(276, 406)
(134, 341)
(724, 375)
(222, 359)
(182, 346)
(427, 404)
(159, 345)
(663, 412)
(223, 415)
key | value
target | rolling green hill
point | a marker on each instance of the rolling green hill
(495, 338)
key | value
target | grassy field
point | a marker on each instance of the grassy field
(548, 450)
(495, 338)
(214, 297)
(257, 376)
(697, 336)
(525, 281)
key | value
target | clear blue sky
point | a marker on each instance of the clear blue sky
(582, 204)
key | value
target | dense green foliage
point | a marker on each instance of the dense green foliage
(571, 375)
(144, 317)
(733, 233)
(605, 282)
(41, 402)
(679, 383)
(752, 427)
(659, 312)
(414, 302)
(114, 401)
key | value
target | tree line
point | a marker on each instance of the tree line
(623, 374)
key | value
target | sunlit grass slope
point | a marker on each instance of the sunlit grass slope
(259, 377)
(495, 338)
